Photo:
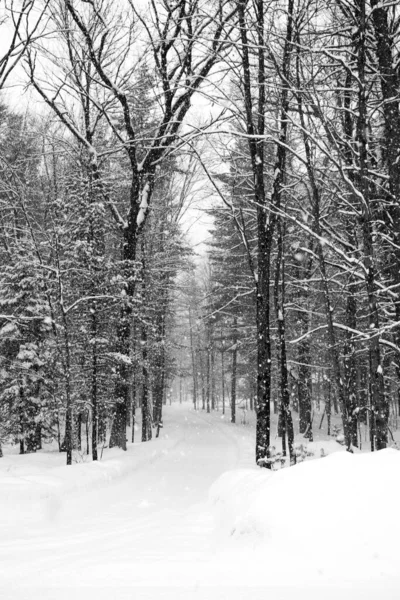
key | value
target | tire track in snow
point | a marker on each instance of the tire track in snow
(130, 528)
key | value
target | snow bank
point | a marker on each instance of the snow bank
(340, 499)
(32, 481)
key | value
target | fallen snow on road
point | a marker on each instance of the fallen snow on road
(189, 516)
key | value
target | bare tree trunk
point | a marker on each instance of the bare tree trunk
(87, 432)
(146, 414)
(379, 403)
(386, 50)
(94, 388)
(212, 368)
(255, 130)
(223, 380)
(279, 298)
(333, 349)
(203, 394)
(350, 368)
(69, 414)
(234, 371)
(194, 361)
(208, 370)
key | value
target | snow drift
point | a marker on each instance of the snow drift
(35, 485)
(333, 497)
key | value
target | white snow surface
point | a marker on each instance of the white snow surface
(189, 516)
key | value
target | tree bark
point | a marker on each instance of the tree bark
(279, 298)
(379, 403)
(255, 130)
(146, 414)
(234, 371)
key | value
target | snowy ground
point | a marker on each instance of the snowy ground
(189, 516)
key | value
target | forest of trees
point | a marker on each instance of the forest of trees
(114, 117)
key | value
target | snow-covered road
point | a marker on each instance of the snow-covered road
(150, 527)
(150, 532)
